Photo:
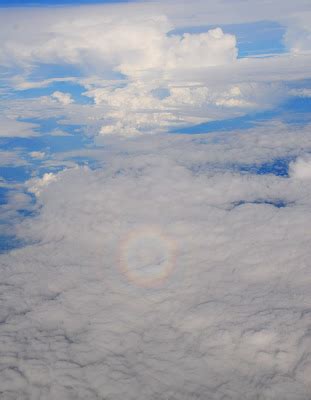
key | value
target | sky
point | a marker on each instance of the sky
(155, 200)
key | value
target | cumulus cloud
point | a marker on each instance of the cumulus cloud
(36, 185)
(37, 154)
(301, 168)
(127, 54)
(165, 273)
(62, 98)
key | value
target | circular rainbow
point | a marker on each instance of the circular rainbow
(147, 256)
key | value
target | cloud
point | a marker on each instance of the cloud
(304, 92)
(301, 168)
(36, 185)
(20, 83)
(177, 267)
(62, 98)
(164, 272)
(39, 155)
(11, 127)
(125, 55)
(8, 158)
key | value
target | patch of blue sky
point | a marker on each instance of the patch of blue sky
(9, 242)
(47, 141)
(294, 110)
(261, 38)
(300, 84)
(71, 87)
(278, 167)
(44, 3)
(244, 122)
(15, 174)
(278, 203)
(51, 71)
(297, 110)
(3, 195)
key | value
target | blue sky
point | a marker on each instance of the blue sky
(23, 3)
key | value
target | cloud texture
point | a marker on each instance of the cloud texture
(165, 273)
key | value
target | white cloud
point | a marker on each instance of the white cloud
(301, 168)
(11, 127)
(37, 154)
(9, 158)
(201, 71)
(62, 98)
(231, 294)
(304, 92)
(59, 132)
(36, 185)
(20, 83)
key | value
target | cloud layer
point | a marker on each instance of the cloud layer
(165, 273)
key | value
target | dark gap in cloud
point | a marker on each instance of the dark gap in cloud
(278, 167)
(294, 110)
(49, 139)
(43, 71)
(74, 89)
(278, 203)
(239, 123)
(27, 213)
(9, 242)
(160, 93)
(299, 84)
(3, 195)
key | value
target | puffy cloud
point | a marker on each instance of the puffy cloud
(62, 98)
(126, 54)
(37, 154)
(36, 185)
(301, 168)
(165, 273)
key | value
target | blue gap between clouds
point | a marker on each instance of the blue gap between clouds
(292, 111)
(44, 3)
(47, 143)
(278, 203)
(295, 111)
(278, 167)
(9, 241)
(73, 88)
(253, 39)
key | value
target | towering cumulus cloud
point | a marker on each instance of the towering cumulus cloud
(155, 198)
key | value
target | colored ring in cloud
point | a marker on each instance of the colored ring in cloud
(147, 256)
